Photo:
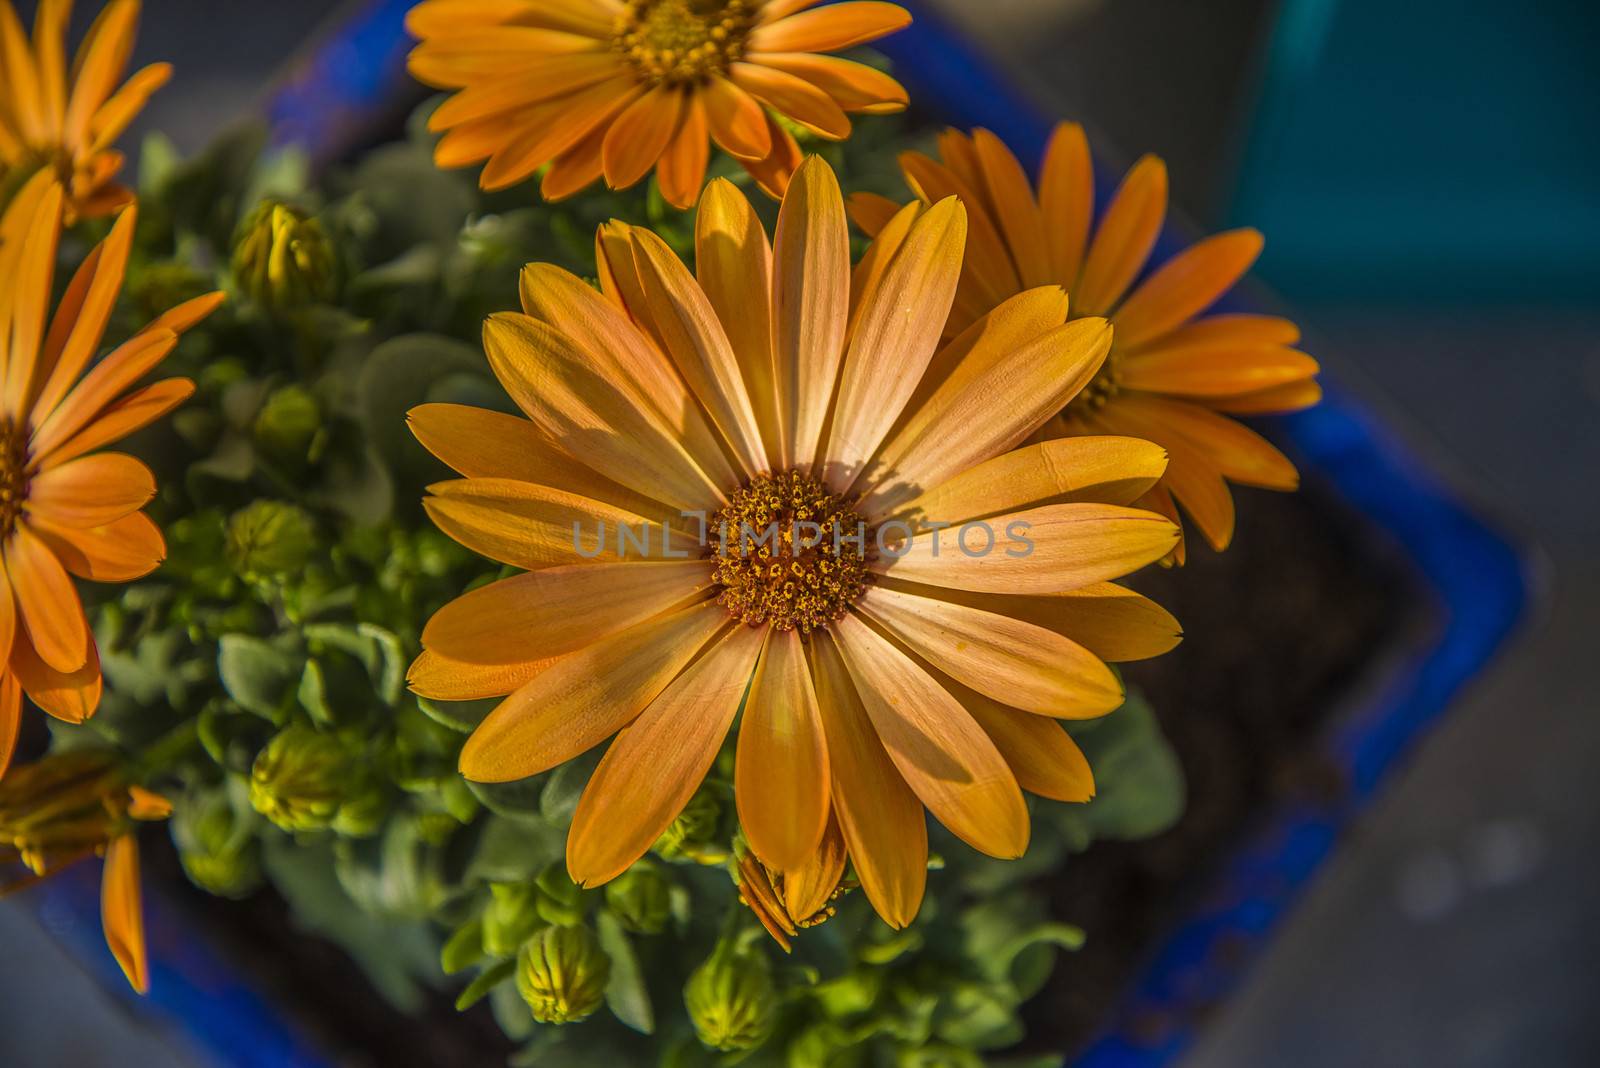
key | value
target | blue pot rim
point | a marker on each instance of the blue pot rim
(1474, 578)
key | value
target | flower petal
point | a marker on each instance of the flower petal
(80, 321)
(1015, 209)
(733, 264)
(1275, 400)
(945, 757)
(640, 134)
(659, 760)
(70, 696)
(1110, 470)
(585, 697)
(102, 386)
(792, 97)
(1124, 239)
(133, 412)
(781, 778)
(1040, 753)
(880, 818)
(122, 910)
(531, 527)
(855, 87)
(811, 305)
(985, 408)
(682, 170)
(10, 718)
(558, 610)
(830, 29)
(594, 413)
(120, 551)
(1186, 285)
(688, 324)
(1213, 370)
(52, 615)
(1010, 660)
(439, 678)
(895, 338)
(1239, 453)
(91, 491)
(737, 119)
(1066, 199)
(1039, 551)
(808, 887)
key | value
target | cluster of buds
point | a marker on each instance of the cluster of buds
(696, 835)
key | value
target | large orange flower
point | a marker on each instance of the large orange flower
(44, 122)
(616, 87)
(1174, 375)
(66, 509)
(887, 655)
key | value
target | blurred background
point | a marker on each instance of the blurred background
(1426, 175)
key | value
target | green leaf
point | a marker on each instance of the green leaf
(313, 693)
(260, 675)
(560, 797)
(460, 716)
(464, 948)
(486, 981)
(510, 851)
(625, 993)
(1140, 789)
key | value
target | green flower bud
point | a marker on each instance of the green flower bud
(510, 918)
(282, 258)
(560, 899)
(270, 539)
(287, 423)
(693, 835)
(562, 974)
(363, 813)
(300, 780)
(215, 845)
(641, 899)
(731, 999)
(154, 287)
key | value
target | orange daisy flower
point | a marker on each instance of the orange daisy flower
(66, 509)
(1174, 375)
(775, 396)
(45, 123)
(617, 87)
(70, 806)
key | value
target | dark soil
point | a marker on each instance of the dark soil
(1278, 630)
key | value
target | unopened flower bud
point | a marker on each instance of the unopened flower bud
(287, 424)
(510, 918)
(300, 779)
(270, 539)
(641, 899)
(363, 812)
(731, 999)
(693, 835)
(282, 258)
(562, 974)
(215, 845)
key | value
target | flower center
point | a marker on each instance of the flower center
(678, 42)
(1101, 389)
(789, 553)
(13, 475)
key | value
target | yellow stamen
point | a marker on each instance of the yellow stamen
(789, 553)
(679, 42)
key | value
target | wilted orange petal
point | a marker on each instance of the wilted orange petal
(122, 910)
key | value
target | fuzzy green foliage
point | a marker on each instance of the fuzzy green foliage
(261, 671)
